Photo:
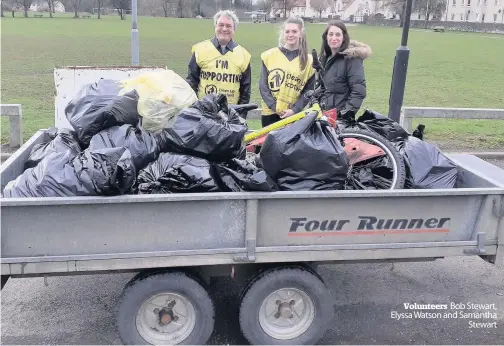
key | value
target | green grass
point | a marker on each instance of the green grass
(445, 70)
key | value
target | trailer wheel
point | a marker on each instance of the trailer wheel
(286, 306)
(168, 308)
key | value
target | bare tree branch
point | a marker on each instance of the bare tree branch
(120, 6)
(26, 5)
(319, 6)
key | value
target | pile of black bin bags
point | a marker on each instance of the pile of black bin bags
(426, 166)
(109, 153)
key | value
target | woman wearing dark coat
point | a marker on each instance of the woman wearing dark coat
(343, 76)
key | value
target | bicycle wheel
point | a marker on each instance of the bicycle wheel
(375, 163)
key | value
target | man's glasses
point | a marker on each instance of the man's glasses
(227, 26)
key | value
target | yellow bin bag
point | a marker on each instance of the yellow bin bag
(162, 95)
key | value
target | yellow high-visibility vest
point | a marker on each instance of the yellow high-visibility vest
(285, 79)
(220, 73)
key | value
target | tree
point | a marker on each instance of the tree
(428, 7)
(319, 6)
(196, 7)
(75, 4)
(286, 5)
(434, 7)
(222, 4)
(182, 7)
(100, 3)
(26, 6)
(167, 6)
(247, 4)
(398, 7)
(120, 6)
(10, 6)
(154, 7)
(265, 5)
(6, 5)
(50, 4)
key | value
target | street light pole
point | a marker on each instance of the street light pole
(135, 50)
(400, 69)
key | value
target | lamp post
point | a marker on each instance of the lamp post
(135, 50)
(400, 68)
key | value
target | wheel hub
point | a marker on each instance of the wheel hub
(166, 318)
(285, 309)
(286, 313)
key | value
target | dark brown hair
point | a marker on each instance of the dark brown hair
(325, 50)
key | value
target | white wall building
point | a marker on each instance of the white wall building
(483, 11)
(334, 8)
(43, 6)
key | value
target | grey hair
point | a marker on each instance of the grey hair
(226, 13)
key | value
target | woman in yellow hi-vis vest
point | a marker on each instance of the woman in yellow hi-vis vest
(286, 74)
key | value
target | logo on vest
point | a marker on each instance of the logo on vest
(210, 89)
(275, 79)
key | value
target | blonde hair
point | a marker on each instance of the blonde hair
(226, 13)
(303, 45)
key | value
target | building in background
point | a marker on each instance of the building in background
(483, 11)
(341, 9)
(44, 7)
(480, 11)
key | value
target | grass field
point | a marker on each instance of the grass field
(445, 70)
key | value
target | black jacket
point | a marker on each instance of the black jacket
(193, 75)
(344, 78)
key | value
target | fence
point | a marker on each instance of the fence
(408, 113)
(15, 114)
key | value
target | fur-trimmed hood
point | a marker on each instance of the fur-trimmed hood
(357, 49)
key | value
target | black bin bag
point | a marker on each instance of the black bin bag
(142, 144)
(60, 141)
(426, 166)
(241, 175)
(382, 125)
(176, 173)
(306, 155)
(103, 172)
(98, 106)
(208, 129)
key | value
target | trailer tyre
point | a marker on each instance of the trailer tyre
(285, 307)
(167, 308)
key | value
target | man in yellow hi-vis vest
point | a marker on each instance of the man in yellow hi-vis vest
(220, 65)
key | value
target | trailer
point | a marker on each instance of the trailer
(271, 242)
(274, 241)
